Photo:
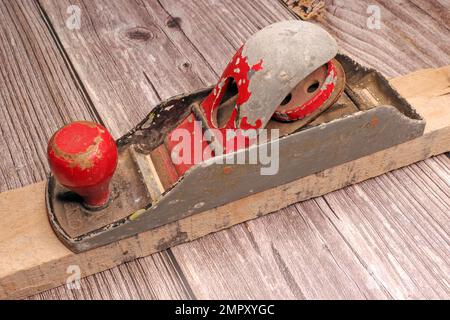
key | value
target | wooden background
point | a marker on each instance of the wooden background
(388, 237)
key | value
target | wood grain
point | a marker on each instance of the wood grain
(410, 36)
(153, 278)
(208, 32)
(37, 95)
(123, 54)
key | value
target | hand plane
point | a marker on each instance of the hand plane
(287, 106)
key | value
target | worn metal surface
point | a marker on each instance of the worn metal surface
(290, 127)
(290, 51)
(303, 153)
(152, 130)
(310, 94)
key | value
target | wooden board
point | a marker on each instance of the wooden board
(32, 259)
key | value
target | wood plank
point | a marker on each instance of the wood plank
(153, 278)
(39, 92)
(33, 259)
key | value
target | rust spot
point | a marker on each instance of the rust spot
(139, 34)
(227, 170)
(374, 121)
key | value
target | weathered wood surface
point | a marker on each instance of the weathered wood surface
(122, 78)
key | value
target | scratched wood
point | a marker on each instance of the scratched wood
(385, 238)
(39, 92)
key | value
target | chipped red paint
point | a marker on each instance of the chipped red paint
(83, 157)
(239, 70)
(234, 136)
(246, 126)
(315, 102)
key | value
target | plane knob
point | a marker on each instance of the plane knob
(83, 157)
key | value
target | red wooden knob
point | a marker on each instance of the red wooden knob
(83, 157)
